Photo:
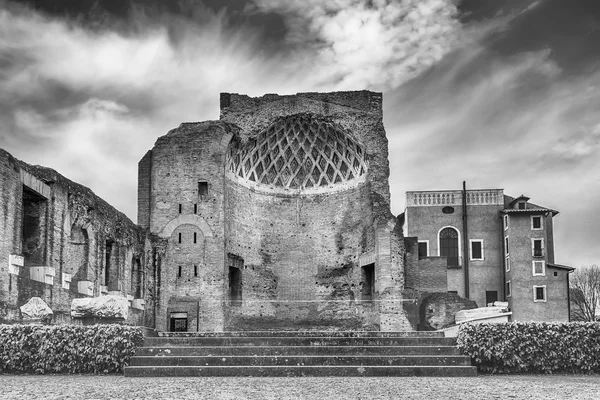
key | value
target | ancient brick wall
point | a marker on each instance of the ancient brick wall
(187, 192)
(300, 256)
(306, 244)
(62, 230)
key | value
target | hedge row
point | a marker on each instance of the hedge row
(67, 348)
(530, 347)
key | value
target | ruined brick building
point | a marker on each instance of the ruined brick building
(277, 216)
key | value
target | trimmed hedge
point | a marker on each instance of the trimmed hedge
(532, 347)
(74, 349)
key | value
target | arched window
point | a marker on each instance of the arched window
(449, 245)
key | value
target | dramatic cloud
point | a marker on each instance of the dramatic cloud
(510, 122)
(91, 102)
(376, 44)
(461, 101)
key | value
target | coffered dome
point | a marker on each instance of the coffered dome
(298, 152)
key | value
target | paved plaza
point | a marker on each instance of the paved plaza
(118, 387)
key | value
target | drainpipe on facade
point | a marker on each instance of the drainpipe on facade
(568, 298)
(465, 239)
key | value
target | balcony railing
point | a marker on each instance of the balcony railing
(455, 198)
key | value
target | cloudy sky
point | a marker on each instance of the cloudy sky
(500, 93)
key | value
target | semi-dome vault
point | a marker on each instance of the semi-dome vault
(298, 152)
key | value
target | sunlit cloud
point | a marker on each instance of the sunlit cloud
(377, 44)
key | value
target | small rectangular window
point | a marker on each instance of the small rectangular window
(195, 236)
(536, 222)
(537, 247)
(195, 270)
(179, 271)
(539, 268)
(539, 293)
(522, 205)
(505, 222)
(202, 189)
(423, 249)
(507, 265)
(179, 237)
(506, 245)
(508, 292)
(179, 208)
(476, 249)
(195, 208)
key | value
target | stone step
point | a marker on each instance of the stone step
(355, 370)
(303, 360)
(297, 341)
(295, 350)
(303, 334)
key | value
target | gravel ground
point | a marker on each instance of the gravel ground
(119, 387)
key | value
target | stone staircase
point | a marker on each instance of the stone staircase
(300, 353)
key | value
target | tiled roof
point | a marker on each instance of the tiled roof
(528, 211)
(561, 267)
(521, 197)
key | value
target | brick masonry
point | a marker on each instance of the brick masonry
(62, 229)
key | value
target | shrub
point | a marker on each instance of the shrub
(67, 348)
(530, 347)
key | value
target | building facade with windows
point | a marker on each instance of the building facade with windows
(486, 246)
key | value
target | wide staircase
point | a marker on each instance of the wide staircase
(300, 353)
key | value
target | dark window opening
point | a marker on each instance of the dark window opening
(508, 289)
(108, 275)
(34, 228)
(195, 270)
(476, 251)
(449, 246)
(422, 250)
(195, 208)
(491, 296)
(80, 251)
(202, 189)
(235, 286)
(538, 251)
(368, 282)
(179, 271)
(521, 205)
(179, 322)
(453, 291)
(555, 273)
(180, 208)
(448, 210)
(136, 278)
(536, 222)
(540, 293)
(236, 265)
(179, 237)
(195, 237)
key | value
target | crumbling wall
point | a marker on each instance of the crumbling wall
(438, 309)
(70, 226)
(301, 248)
(186, 169)
(300, 256)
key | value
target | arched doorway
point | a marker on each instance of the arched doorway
(449, 246)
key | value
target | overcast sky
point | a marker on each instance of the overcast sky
(500, 93)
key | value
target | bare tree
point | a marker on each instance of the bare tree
(585, 292)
